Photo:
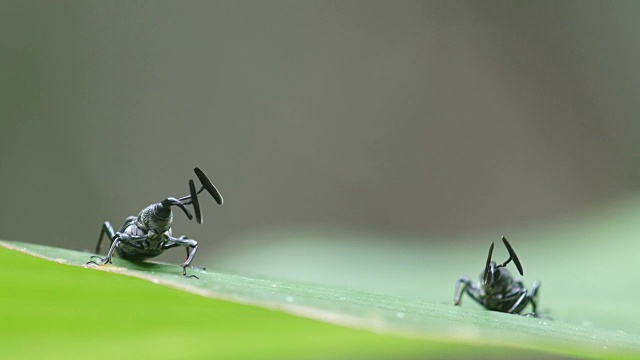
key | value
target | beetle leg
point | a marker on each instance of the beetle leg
(115, 243)
(518, 302)
(106, 228)
(533, 298)
(134, 241)
(107, 259)
(468, 287)
(95, 262)
(186, 242)
(128, 221)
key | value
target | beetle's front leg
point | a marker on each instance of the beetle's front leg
(468, 287)
(516, 304)
(107, 259)
(135, 241)
(186, 242)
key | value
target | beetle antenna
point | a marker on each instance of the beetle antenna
(488, 266)
(206, 184)
(173, 201)
(512, 256)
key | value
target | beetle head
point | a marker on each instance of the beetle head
(496, 278)
(156, 218)
(163, 209)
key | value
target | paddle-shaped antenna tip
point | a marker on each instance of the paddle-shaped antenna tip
(488, 266)
(204, 180)
(194, 201)
(513, 256)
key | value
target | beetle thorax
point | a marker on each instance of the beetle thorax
(502, 280)
(155, 217)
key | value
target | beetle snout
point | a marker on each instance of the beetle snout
(493, 278)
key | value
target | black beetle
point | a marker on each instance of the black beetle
(149, 234)
(497, 290)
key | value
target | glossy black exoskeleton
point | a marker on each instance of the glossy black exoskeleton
(497, 290)
(149, 234)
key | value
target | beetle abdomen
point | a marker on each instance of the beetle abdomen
(131, 253)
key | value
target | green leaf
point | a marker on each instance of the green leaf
(52, 310)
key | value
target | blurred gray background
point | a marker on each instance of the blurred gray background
(415, 120)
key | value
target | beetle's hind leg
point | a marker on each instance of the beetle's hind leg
(108, 229)
(468, 287)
